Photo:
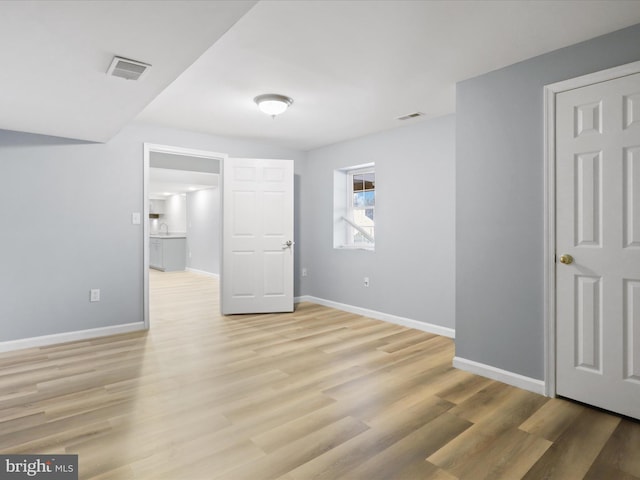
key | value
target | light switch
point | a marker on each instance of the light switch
(94, 295)
(135, 218)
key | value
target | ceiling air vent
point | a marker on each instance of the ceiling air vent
(410, 115)
(127, 69)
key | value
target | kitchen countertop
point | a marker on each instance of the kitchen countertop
(168, 235)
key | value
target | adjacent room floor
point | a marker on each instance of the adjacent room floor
(318, 393)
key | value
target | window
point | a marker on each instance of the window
(354, 207)
(362, 204)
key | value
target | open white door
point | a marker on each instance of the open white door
(257, 236)
(598, 244)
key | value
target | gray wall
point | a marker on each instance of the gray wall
(203, 230)
(500, 204)
(175, 214)
(412, 268)
(68, 205)
(66, 208)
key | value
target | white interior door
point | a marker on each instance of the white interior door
(257, 236)
(598, 238)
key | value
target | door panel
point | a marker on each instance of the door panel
(588, 202)
(257, 243)
(598, 224)
(588, 323)
(631, 110)
(242, 285)
(244, 214)
(273, 204)
(274, 273)
(632, 330)
(631, 197)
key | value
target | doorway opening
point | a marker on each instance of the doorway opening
(182, 212)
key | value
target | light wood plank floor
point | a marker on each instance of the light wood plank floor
(318, 393)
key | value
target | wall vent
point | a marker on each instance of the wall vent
(127, 69)
(410, 115)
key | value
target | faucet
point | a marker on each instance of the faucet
(164, 225)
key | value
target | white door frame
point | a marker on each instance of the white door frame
(550, 92)
(153, 147)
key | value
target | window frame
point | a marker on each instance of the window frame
(343, 231)
(351, 208)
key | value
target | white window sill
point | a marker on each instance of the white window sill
(356, 247)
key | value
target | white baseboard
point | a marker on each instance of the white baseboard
(504, 376)
(405, 322)
(69, 337)
(202, 272)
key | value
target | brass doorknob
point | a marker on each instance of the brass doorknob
(566, 259)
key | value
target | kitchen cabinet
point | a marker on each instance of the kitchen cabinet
(155, 253)
(167, 254)
(156, 206)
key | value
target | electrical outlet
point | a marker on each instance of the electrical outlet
(95, 295)
(135, 218)
(366, 281)
(304, 272)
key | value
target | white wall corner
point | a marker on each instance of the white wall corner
(504, 376)
(385, 317)
(58, 338)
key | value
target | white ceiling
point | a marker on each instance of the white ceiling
(54, 55)
(164, 181)
(351, 67)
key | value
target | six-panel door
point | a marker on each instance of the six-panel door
(598, 224)
(257, 238)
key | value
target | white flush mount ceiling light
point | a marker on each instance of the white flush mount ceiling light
(272, 103)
